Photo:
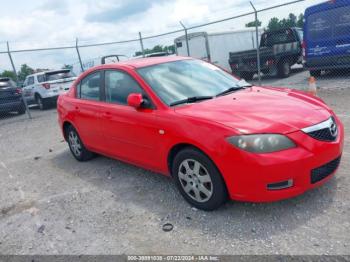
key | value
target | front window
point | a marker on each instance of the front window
(119, 86)
(30, 80)
(174, 81)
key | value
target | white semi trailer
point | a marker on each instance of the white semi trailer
(215, 47)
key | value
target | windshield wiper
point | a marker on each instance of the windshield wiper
(230, 90)
(191, 100)
(240, 85)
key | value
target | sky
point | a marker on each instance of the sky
(51, 23)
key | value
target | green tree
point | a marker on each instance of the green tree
(253, 24)
(24, 72)
(300, 21)
(274, 24)
(291, 21)
(9, 74)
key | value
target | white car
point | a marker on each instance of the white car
(44, 88)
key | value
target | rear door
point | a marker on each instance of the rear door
(87, 110)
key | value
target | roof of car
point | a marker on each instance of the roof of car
(48, 72)
(149, 61)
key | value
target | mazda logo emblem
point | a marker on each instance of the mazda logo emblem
(333, 129)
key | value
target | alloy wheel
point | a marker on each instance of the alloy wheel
(74, 143)
(40, 103)
(195, 180)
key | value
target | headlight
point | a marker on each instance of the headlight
(263, 143)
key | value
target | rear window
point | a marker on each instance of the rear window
(51, 76)
(278, 37)
(41, 78)
(332, 23)
(6, 82)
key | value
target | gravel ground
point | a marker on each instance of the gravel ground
(52, 204)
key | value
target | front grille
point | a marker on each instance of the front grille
(323, 135)
(322, 172)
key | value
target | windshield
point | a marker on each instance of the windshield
(174, 81)
(58, 75)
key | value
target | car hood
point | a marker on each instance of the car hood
(261, 110)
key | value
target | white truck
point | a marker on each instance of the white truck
(44, 88)
(215, 47)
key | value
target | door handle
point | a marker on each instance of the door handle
(77, 108)
(107, 115)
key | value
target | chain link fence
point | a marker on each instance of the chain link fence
(314, 40)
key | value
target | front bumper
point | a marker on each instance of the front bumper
(247, 175)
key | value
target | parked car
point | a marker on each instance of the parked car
(279, 50)
(10, 97)
(44, 88)
(215, 46)
(217, 136)
(327, 36)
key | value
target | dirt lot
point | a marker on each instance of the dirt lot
(52, 204)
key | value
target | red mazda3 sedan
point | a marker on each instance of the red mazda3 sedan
(217, 136)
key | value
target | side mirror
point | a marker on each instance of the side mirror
(135, 100)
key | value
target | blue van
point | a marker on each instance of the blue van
(327, 36)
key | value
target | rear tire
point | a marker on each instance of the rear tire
(315, 73)
(283, 69)
(42, 103)
(198, 179)
(76, 146)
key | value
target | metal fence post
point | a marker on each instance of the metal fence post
(77, 48)
(141, 43)
(186, 36)
(257, 42)
(17, 80)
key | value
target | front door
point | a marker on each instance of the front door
(130, 134)
(28, 89)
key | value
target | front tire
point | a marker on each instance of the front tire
(198, 179)
(76, 146)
